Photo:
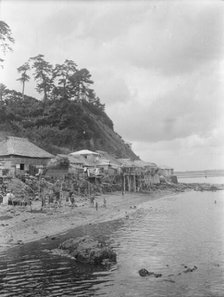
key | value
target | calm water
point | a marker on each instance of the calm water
(186, 229)
(202, 179)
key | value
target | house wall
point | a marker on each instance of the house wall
(166, 171)
(12, 164)
(150, 179)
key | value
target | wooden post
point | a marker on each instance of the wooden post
(88, 188)
(129, 186)
(134, 183)
(124, 184)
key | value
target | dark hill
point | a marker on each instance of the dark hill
(61, 126)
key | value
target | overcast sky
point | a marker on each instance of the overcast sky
(157, 65)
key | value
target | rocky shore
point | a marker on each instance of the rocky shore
(19, 225)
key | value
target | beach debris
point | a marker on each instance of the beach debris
(89, 250)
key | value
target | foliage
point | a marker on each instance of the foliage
(3, 89)
(59, 163)
(59, 126)
(6, 39)
(62, 81)
(24, 76)
(43, 75)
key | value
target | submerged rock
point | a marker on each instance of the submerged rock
(190, 269)
(88, 250)
(144, 272)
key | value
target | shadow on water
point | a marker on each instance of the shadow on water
(28, 270)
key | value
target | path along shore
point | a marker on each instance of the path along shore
(18, 225)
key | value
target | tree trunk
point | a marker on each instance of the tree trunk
(23, 89)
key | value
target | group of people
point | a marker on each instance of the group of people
(10, 199)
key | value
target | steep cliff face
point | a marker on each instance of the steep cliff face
(62, 126)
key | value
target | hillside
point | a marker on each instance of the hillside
(61, 126)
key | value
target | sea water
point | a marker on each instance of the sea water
(166, 236)
(202, 179)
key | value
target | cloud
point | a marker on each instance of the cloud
(192, 152)
(113, 90)
(194, 105)
(176, 38)
(158, 65)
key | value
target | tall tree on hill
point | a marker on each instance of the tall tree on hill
(6, 39)
(43, 74)
(79, 83)
(62, 72)
(3, 92)
(24, 76)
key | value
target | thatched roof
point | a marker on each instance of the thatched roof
(127, 163)
(79, 160)
(107, 159)
(22, 147)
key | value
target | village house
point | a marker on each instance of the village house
(165, 170)
(150, 173)
(138, 175)
(107, 163)
(18, 156)
(87, 154)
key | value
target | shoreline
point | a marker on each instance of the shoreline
(18, 225)
(21, 226)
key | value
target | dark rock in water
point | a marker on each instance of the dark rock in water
(190, 269)
(157, 274)
(143, 272)
(88, 250)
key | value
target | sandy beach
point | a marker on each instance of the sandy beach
(18, 225)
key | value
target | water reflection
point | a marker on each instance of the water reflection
(166, 236)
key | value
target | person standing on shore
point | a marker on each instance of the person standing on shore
(72, 200)
(104, 202)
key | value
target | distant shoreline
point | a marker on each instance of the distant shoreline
(200, 173)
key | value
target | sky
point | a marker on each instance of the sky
(157, 65)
